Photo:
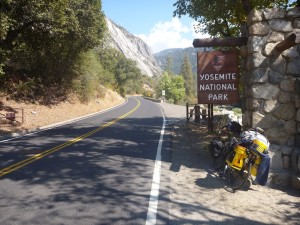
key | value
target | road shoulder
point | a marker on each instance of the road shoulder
(199, 196)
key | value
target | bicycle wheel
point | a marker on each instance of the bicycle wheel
(237, 178)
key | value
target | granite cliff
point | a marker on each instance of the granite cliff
(133, 48)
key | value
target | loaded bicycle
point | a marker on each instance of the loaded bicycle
(243, 155)
(249, 157)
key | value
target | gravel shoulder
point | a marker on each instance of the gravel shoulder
(199, 196)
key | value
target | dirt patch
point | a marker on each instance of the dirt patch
(200, 196)
(37, 115)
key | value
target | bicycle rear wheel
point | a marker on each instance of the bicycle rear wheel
(237, 178)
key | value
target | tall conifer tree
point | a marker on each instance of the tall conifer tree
(187, 73)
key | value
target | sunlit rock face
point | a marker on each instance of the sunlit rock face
(133, 48)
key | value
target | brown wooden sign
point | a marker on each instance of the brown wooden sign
(217, 77)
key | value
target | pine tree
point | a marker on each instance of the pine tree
(187, 73)
(169, 65)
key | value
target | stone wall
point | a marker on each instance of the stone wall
(272, 88)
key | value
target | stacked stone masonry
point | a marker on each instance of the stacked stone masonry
(272, 88)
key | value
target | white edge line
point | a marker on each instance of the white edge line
(153, 200)
(48, 127)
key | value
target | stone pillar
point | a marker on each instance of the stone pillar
(272, 82)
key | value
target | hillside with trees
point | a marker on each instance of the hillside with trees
(177, 87)
(51, 48)
(175, 57)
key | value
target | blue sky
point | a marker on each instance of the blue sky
(153, 21)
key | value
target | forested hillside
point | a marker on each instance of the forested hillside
(174, 56)
(51, 48)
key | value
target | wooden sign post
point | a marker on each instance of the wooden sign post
(217, 79)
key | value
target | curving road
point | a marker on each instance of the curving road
(98, 170)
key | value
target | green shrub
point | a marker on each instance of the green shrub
(88, 70)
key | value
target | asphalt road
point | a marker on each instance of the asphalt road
(98, 170)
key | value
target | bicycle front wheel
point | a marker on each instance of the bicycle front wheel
(237, 178)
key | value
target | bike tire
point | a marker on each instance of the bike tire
(237, 178)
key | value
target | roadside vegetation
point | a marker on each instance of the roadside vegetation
(177, 88)
(49, 49)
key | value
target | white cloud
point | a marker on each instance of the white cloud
(169, 34)
(198, 35)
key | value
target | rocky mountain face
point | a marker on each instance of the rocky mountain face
(133, 48)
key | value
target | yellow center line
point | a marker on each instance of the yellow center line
(35, 157)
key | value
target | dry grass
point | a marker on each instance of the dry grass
(37, 115)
